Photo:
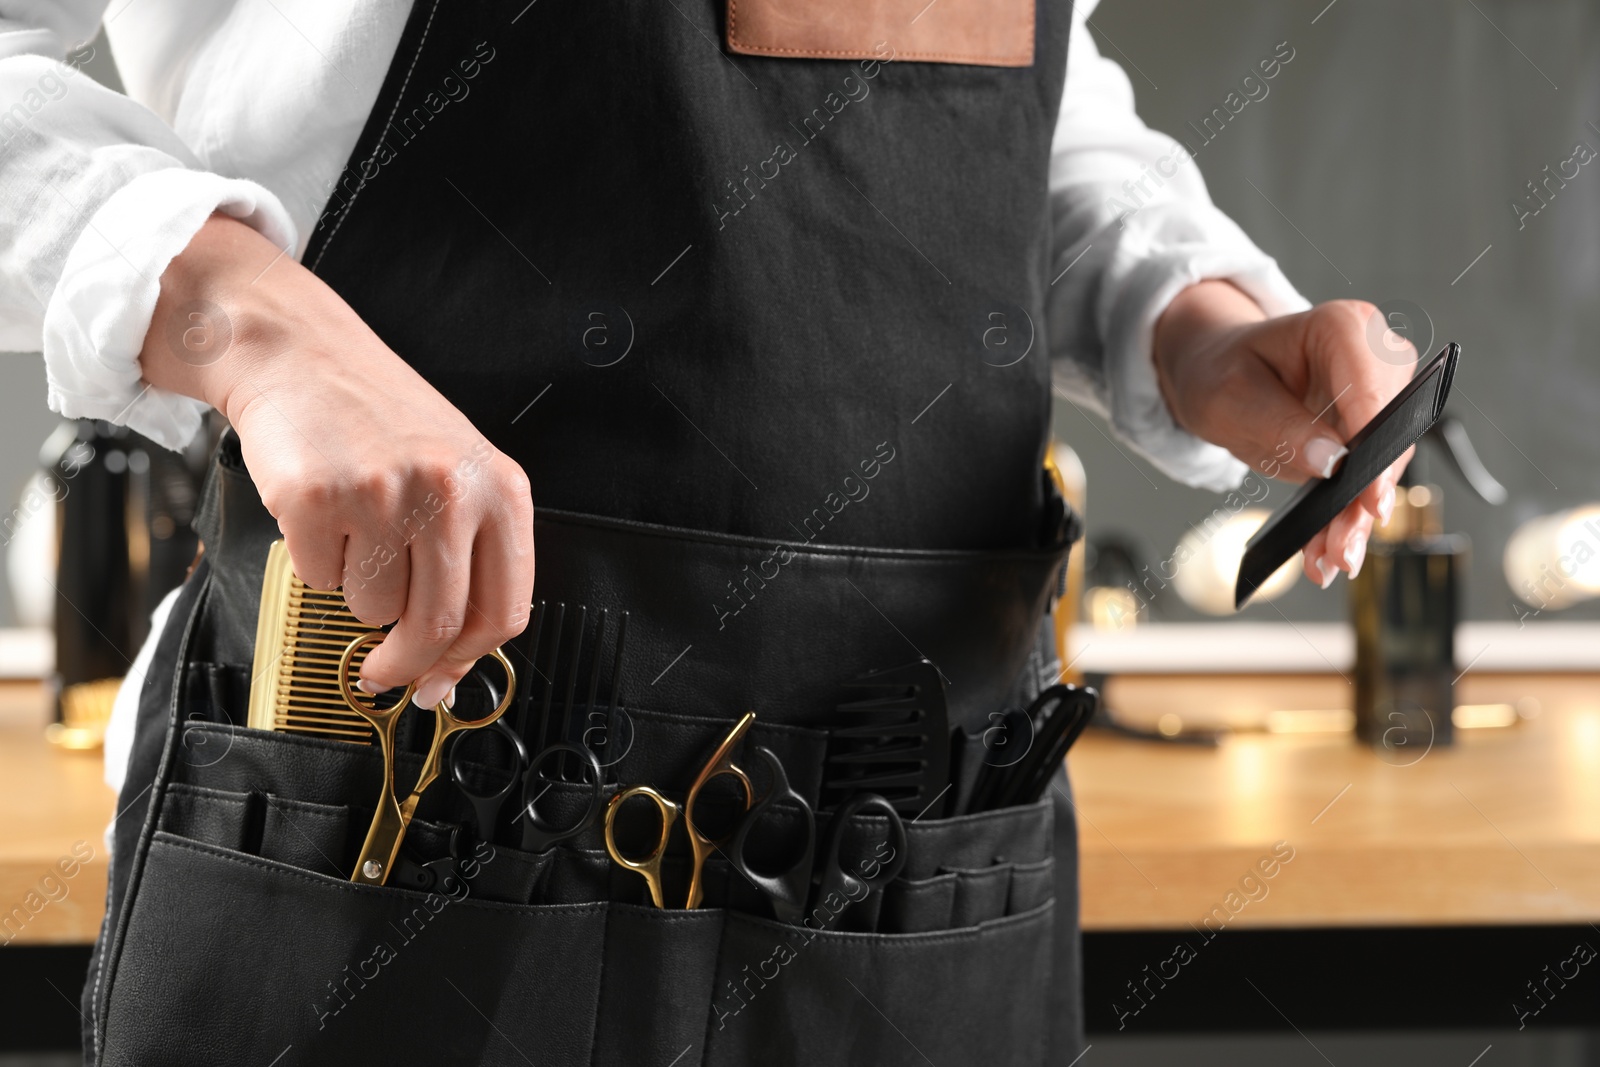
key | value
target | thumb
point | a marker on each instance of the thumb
(1277, 434)
(1316, 450)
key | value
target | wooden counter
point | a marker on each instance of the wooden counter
(1502, 828)
(50, 801)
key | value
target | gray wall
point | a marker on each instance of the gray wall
(1394, 141)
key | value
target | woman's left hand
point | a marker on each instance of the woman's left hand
(1284, 395)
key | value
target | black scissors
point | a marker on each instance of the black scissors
(789, 890)
(538, 835)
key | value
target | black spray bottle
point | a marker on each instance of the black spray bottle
(1405, 604)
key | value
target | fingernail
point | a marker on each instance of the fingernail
(450, 701)
(1355, 552)
(430, 693)
(1328, 572)
(372, 689)
(1386, 505)
(1323, 454)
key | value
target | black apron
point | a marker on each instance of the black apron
(767, 336)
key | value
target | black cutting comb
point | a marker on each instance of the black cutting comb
(894, 741)
(1375, 446)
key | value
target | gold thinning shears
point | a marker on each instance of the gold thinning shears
(394, 815)
(700, 846)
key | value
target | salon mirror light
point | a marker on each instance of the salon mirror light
(1553, 561)
(1205, 565)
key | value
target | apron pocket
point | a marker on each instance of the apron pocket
(575, 876)
(659, 966)
(786, 995)
(232, 959)
(239, 797)
(918, 905)
(312, 837)
(434, 859)
(971, 842)
(1031, 885)
(326, 838)
(669, 749)
(214, 816)
(981, 895)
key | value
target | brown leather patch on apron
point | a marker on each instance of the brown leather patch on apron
(989, 33)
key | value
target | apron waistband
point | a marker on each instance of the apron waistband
(720, 625)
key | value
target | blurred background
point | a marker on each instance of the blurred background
(1381, 165)
(1390, 161)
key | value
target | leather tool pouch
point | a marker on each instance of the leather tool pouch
(246, 937)
(240, 938)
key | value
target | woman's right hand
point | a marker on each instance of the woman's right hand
(379, 484)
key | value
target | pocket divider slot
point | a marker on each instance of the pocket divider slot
(980, 894)
(918, 905)
(795, 995)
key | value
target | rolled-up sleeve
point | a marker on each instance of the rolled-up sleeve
(97, 195)
(1132, 226)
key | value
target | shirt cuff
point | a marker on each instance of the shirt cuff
(1136, 406)
(99, 313)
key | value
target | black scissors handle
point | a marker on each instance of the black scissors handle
(786, 889)
(486, 807)
(538, 835)
(871, 874)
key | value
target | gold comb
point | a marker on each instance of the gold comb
(309, 647)
(301, 634)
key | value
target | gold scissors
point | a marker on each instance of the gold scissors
(394, 815)
(700, 846)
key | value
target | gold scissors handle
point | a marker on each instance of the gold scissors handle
(720, 764)
(700, 846)
(393, 816)
(648, 868)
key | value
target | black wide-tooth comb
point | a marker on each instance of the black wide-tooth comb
(894, 742)
(556, 664)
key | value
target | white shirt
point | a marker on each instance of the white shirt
(253, 107)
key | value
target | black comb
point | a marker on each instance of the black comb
(559, 643)
(1374, 447)
(894, 741)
